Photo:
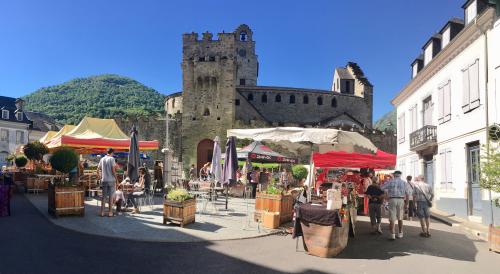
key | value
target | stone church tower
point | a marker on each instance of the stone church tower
(211, 70)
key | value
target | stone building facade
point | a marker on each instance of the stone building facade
(220, 92)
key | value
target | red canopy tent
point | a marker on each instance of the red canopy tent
(379, 160)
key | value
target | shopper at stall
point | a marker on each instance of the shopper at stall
(263, 179)
(397, 192)
(411, 209)
(423, 195)
(284, 178)
(254, 180)
(192, 173)
(106, 171)
(375, 195)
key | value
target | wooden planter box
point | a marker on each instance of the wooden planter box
(181, 213)
(325, 241)
(283, 204)
(494, 238)
(66, 200)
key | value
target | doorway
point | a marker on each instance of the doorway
(473, 176)
(429, 170)
(204, 153)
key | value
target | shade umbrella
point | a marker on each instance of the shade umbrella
(230, 164)
(133, 156)
(216, 168)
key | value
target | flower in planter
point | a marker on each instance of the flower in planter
(179, 195)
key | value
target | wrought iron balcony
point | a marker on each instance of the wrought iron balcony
(423, 138)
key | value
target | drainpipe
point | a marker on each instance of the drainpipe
(487, 116)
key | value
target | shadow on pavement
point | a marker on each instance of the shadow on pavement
(367, 246)
(32, 244)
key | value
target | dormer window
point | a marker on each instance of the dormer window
(470, 11)
(19, 115)
(5, 114)
(445, 38)
(432, 48)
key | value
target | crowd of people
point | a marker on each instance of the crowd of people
(116, 193)
(402, 197)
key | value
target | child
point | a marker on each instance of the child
(118, 198)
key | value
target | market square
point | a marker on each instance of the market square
(278, 146)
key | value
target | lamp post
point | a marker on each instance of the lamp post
(167, 174)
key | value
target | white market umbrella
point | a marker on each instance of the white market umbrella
(216, 168)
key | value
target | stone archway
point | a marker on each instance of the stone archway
(204, 152)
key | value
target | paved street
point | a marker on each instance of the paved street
(32, 244)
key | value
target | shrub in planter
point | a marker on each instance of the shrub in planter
(63, 198)
(21, 161)
(299, 172)
(490, 180)
(64, 160)
(179, 207)
(35, 151)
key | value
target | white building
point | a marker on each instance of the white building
(446, 109)
(14, 127)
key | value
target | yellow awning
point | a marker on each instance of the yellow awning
(48, 136)
(90, 128)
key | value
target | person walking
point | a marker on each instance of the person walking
(106, 171)
(254, 180)
(423, 195)
(411, 210)
(192, 173)
(397, 193)
(375, 195)
(284, 178)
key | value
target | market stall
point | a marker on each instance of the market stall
(341, 201)
(257, 152)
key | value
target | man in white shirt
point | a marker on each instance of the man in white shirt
(106, 171)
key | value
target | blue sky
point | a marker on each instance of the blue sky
(299, 43)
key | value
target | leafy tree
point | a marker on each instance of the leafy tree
(64, 160)
(102, 96)
(299, 172)
(21, 161)
(35, 150)
(490, 168)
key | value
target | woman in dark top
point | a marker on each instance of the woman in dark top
(376, 196)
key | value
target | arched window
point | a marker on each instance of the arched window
(292, 99)
(319, 100)
(250, 97)
(206, 83)
(243, 36)
(277, 98)
(305, 100)
(206, 112)
(173, 103)
(263, 99)
(334, 102)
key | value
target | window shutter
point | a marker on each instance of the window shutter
(449, 177)
(474, 84)
(447, 103)
(403, 131)
(440, 104)
(465, 90)
(442, 165)
(415, 117)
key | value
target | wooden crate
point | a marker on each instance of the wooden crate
(494, 238)
(271, 220)
(66, 200)
(283, 204)
(181, 213)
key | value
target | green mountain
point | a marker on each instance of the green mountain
(387, 122)
(102, 96)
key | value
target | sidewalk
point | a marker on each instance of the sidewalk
(236, 223)
(476, 229)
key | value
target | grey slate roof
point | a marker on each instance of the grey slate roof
(9, 103)
(344, 73)
(42, 122)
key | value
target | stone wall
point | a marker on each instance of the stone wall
(283, 112)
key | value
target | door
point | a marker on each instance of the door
(204, 152)
(427, 111)
(429, 172)
(473, 174)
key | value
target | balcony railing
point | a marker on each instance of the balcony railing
(423, 138)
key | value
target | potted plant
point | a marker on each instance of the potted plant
(64, 197)
(179, 207)
(299, 173)
(490, 180)
(273, 199)
(34, 151)
(21, 161)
